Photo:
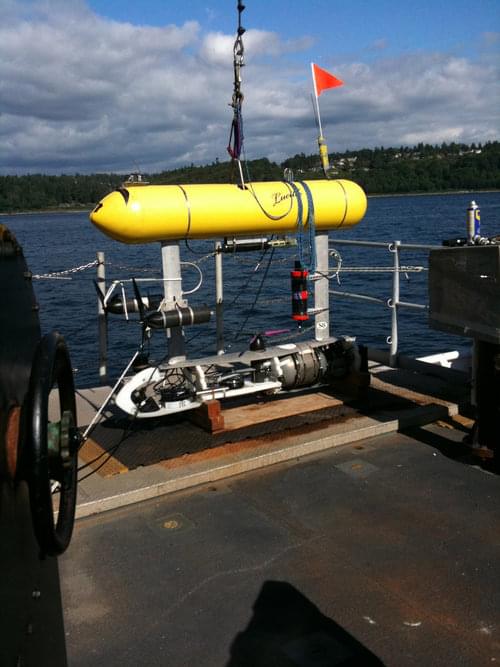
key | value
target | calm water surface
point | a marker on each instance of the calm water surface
(53, 242)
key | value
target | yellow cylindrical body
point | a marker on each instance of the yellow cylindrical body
(141, 214)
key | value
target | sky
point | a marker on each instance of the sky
(102, 85)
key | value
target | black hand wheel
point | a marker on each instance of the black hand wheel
(52, 447)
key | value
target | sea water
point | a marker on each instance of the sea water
(257, 285)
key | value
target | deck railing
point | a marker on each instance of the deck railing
(393, 302)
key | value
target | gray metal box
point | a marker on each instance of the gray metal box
(464, 291)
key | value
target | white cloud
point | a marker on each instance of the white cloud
(380, 44)
(217, 48)
(82, 93)
(491, 38)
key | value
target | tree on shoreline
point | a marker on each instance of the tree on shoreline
(423, 168)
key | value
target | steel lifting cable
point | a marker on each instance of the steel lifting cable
(235, 144)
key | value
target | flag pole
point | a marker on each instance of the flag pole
(323, 148)
(315, 113)
(316, 102)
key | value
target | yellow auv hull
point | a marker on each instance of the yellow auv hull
(141, 214)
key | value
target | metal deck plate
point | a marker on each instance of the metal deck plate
(144, 443)
(301, 564)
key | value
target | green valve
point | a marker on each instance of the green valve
(54, 438)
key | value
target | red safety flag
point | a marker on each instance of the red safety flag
(323, 80)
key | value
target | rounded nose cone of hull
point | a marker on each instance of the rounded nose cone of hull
(111, 214)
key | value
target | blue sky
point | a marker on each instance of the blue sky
(339, 28)
(95, 85)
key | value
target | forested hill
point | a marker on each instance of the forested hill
(423, 168)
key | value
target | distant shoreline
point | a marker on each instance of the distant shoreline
(435, 194)
(88, 209)
(54, 211)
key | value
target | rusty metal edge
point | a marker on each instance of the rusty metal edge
(197, 474)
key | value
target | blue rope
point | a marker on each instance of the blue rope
(300, 225)
(236, 138)
(311, 228)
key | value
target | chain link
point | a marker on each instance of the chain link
(133, 269)
(203, 259)
(269, 302)
(264, 302)
(244, 260)
(378, 269)
(61, 275)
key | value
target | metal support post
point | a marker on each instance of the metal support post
(172, 285)
(102, 320)
(219, 298)
(394, 303)
(474, 369)
(321, 295)
(488, 395)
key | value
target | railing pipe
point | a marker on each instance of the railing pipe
(415, 306)
(393, 304)
(219, 298)
(419, 246)
(382, 244)
(102, 321)
(321, 301)
(369, 244)
(359, 297)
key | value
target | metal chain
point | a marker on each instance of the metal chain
(235, 143)
(265, 302)
(379, 269)
(344, 269)
(204, 258)
(55, 275)
(244, 260)
(270, 302)
(238, 56)
(124, 267)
